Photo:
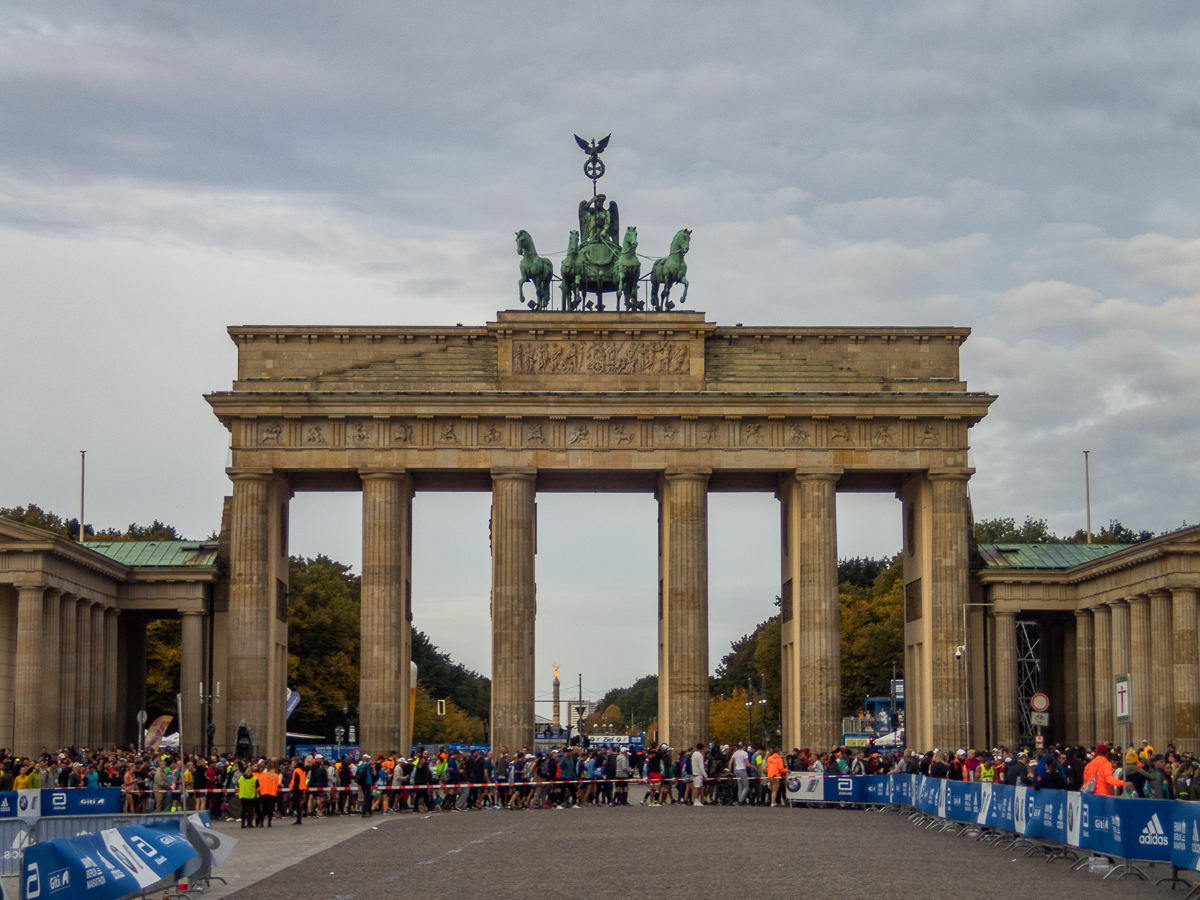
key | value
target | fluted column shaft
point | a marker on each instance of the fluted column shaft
(1007, 714)
(98, 685)
(28, 735)
(950, 590)
(1162, 644)
(68, 676)
(683, 516)
(1102, 687)
(51, 668)
(1186, 687)
(1085, 674)
(191, 674)
(514, 608)
(83, 674)
(1121, 664)
(385, 675)
(819, 631)
(1142, 676)
(250, 606)
(111, 725)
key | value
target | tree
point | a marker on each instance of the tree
(728, 718)
(860, 571)
(638, 703)
(1115, 533)
(163, 640)
(608, 720)
(872, 632)
(1006, 531)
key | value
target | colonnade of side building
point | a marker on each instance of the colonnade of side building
(1152, 637)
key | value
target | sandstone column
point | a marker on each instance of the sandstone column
(950, 590)
(514, 607)
(251, 597)
(97, 686)
(1162, 642)
(1102, 684)
(1085, 662)
(29, 732)
(1007, 713)
(1120, 661)
(385, 675)
(191, 674)
(70, 606)
(1142, 677)
(51, 668)
(111, 725)
(817, 611)
(683, 514)
(83, 674)
(1186, 689)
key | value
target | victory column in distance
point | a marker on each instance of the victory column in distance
(596, 262)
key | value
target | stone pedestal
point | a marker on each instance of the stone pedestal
(386, 640)
(810, 617)
(1085, 674)
(1186, 680)
(683, 613)
(1102, 685)
(191, 674)
(67, 678)
(29, 731)
(1141, 682)
(51, 669)
(949, 591)
(1007, 713)
(1162, 698)
(83, 674)
(514, 608)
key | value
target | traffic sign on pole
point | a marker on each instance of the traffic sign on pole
(1123, 698)
(1039, 702)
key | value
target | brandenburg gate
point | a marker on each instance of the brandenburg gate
(663, 402)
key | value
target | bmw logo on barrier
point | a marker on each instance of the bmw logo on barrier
(793, 785)
(23, 803)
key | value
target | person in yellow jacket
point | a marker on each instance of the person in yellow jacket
(776, 772)
(248, 795)
(21, 782)
(268, 790)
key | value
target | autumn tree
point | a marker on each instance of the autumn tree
(872, 631)
(728, 718)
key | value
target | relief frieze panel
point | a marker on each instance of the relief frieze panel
(600, 358)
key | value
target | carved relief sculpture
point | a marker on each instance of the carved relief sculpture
(669, 432)
(579, 435)
(492, 435)
(316, 435)
(534, 435)
(840, 434)
(600, 357)
(623, 436)
(928, 436)
(448, 435)
(271, 435)
(800, 434)
(754, 433)
(360, 434)
(883, 436)
(711, 433)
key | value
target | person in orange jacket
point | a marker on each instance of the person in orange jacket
(1099, 774)
(299, 788)
(268, 791)
(776, 772)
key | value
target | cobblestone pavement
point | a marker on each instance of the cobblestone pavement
(662, 852)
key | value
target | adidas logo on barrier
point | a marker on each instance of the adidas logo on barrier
(1153, 833)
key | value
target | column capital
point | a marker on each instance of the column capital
(687, 473)
(1113, 604)
(1184, 591)
(52, 591)
(829, 474)
(940, 474)
(514, 473)
(1004, 613)
(190, 612)
(1082, 613)
(29, 586)
(1139, 599)
(250, 474)
(1159, 592)
(114, 612)
(373, 473)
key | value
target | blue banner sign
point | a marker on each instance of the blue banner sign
(81, 802)
(104, 866)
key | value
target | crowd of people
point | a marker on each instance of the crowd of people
(257, 792)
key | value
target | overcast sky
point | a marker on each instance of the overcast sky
(1028, 169)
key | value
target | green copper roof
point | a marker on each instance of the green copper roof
(158, 553)
(1043, 556)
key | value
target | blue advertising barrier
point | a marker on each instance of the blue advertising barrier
(81, 801)
(105, 866)
(1133, 829)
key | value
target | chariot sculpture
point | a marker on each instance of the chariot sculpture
(599, 260)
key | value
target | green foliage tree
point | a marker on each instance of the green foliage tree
(872, 631)
(728, 718)
(1007, 531)
(638, 703)
(861, 571)
(1114, 533)
(163, 640)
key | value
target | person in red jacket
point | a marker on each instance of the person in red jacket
(1098, 774)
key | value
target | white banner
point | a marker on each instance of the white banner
(805, 786)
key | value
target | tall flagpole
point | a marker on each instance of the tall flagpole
(1087, 493)
(82, 477)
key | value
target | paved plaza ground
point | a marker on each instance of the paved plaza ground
(663, 852)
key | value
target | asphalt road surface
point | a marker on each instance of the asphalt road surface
(670, 852)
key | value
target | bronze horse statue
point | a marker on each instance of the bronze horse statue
(534, 268)
(669, 271)
(629, 270)
(570, 270)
